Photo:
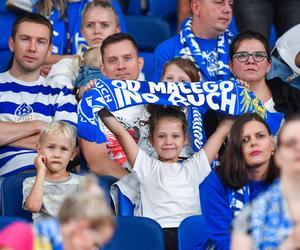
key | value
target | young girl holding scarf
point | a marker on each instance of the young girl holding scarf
(247, 168)
(168, 188)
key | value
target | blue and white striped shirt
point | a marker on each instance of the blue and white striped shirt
(22, 101)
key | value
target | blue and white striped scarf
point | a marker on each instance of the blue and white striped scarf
(192, 50)
(228, 97)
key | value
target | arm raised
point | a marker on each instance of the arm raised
(215, 141)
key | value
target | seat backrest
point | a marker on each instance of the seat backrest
(126, 208)
(162, 9)
(147, 31)
(6, 220)
(12, 196)
(136, 233)
(191, 232)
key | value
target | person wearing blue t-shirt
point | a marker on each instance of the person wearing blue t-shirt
(247, 168)
(27, 100)
(203, 38)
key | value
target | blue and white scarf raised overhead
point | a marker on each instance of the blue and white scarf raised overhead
(192, 50)
(228, 97)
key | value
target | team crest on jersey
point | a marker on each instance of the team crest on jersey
(23, 112)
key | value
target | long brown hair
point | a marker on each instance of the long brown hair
(233, 169)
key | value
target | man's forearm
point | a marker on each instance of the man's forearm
(29, 142)
(11, 132)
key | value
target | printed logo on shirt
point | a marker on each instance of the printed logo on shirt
(23, 113)
(212, 63)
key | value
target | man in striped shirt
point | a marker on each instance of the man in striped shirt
(28, 101)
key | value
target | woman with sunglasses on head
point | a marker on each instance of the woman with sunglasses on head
(250, 60)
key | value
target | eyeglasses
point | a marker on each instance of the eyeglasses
(257, 56)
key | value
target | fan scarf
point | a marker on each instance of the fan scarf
(228, 97)
(192, 51)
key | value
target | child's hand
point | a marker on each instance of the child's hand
(89, 86)
(40, 163)
(226, 124)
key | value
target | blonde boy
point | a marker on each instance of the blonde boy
(43, 194)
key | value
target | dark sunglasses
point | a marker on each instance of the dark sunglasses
(257, 56)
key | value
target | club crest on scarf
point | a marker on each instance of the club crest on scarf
(228, 97)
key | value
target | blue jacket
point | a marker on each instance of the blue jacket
(214, 200)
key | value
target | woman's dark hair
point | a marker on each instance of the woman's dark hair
(233, 169)
(186, 65)
(165, 112)
(249, 35)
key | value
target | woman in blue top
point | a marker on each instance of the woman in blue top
(247, 168)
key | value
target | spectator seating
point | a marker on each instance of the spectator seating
(6, 20)
(11, 196)
(148, 64)
(148, 33)
(136, 233)
(190, 232)
(126, 208)
(105, 182)
(6, 220)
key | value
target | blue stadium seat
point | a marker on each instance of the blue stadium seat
(12, 197)
(148, 65)
(147, 31)
(126, 208)
(190, 232)
(6, 21)
(6, 220)
(105, 181)
(165, 9)
(136, 233)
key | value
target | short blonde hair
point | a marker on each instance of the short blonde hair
(60, 127)
(89, 204)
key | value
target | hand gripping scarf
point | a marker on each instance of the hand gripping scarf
(228, 97)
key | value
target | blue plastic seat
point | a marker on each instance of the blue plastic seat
(12, 197)
(6, 220)
(165, 9)
(147, 31)
(6, 21)
(136, 233)
(148, 65)
(126, 208)
(191, 232)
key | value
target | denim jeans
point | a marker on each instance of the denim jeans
(87, 73)
(259, 15)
